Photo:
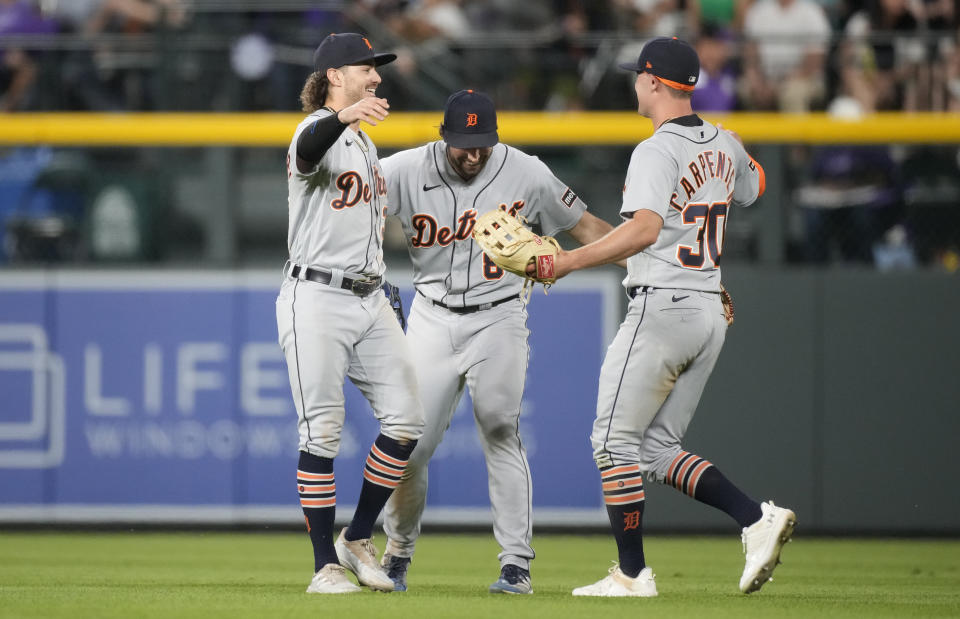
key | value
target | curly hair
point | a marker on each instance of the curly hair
(314, 93)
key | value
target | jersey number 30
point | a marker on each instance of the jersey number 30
(710, 220)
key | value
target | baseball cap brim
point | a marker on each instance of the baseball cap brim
(378, 60)
(471, 140)
(382, 59)
(630, 66)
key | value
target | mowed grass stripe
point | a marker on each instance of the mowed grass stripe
(239, 575)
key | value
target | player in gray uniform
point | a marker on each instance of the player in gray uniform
(333, 320)
(680, 186)
(467, 324)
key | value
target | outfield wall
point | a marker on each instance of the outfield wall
(162, 397)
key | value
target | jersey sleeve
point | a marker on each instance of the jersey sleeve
(651, 179)
(555, 206)
(750, 181)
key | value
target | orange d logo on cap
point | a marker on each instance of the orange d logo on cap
(469, 120)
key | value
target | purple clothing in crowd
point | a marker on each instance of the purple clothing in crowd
(715, 93)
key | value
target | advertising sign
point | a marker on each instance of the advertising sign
(167, 393)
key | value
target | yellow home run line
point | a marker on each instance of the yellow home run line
(404, 129)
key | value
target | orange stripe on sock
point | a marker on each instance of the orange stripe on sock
(624, 498)
(622, 483)
(381, 481)
(318, 502)
(314, 476)
(678, 483)
(389, 470)
(695, 476)
(385, 457)
(673, 464)
(620, 470)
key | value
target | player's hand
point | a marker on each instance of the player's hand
(733, 134)
(560, 265)
(370, 110)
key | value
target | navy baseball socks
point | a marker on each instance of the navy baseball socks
(624, 498)
(381, 474)
(765, 528)
(318, 498)
(385, 464)
(317, 488)
(701, 480)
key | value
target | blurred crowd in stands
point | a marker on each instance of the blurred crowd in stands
(787, 55)
(846, 57)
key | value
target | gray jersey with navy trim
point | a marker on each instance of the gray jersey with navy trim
(438, 210)
(690, 176)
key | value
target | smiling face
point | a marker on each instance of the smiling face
(468, 162)
(358, 82)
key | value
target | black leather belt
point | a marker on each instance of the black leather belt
(359, 287)
(469, 309)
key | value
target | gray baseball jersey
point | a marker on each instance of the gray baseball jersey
(690, 176)
(438, 211)
(337, 209)
(484, 349)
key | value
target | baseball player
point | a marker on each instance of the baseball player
(467, 325)
(680, 186)
(332, 318)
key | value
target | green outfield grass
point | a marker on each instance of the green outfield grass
(238, 575)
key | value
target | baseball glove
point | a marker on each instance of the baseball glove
(512, 246)
(727, 301)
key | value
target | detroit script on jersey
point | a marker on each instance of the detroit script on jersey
(428, 231)
(438, 211)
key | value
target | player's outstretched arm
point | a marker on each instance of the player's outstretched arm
(627, 239)
(591, 228)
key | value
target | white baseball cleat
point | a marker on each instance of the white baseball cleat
(762, 542)
(618, 584)
(360, 557)
(331, 578)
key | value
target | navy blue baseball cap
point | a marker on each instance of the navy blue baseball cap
(470, 120)
(670, 60)
(346, 48)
